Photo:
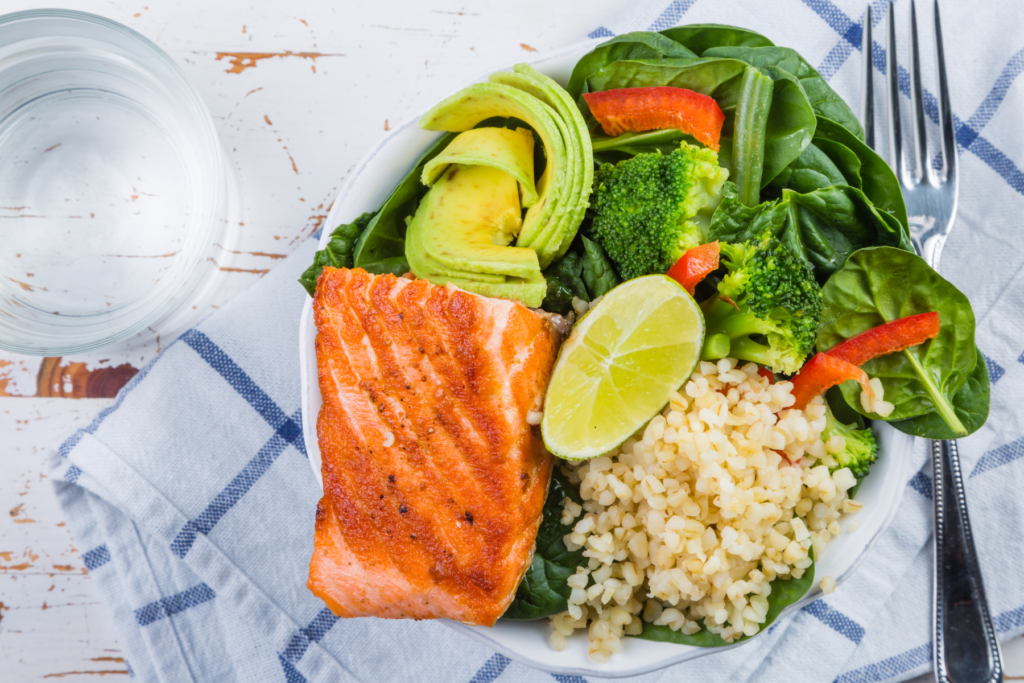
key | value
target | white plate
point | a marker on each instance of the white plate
(527, 642)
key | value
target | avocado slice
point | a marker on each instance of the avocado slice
(507, 150)
(553, 241)
(529, 291)
(466, 219)
(426, 266)
(482, 101)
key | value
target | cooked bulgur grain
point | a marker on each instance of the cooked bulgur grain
(694, 516)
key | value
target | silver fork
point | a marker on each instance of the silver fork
(965, 646)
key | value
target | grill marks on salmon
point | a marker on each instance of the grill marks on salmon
(433, 480)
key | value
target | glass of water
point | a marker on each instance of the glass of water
(113, 184)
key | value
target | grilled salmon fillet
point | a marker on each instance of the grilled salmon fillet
(433, 479)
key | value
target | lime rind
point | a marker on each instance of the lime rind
(620, 365)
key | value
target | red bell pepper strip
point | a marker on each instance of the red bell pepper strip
(638, 109)
(767, 374)
(695, 265)
(822, 372)
(888, 338)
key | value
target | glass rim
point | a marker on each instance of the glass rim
(55, 339)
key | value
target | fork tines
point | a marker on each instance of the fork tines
(910, 173)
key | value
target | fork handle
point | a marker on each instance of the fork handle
(966, 649)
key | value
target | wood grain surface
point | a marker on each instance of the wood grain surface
(52, 624)
(299, 91)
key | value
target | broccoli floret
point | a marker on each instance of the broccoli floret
(860, 449)
(649, 209)
(768, 292)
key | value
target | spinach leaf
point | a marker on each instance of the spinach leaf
(971, 405)
(750, 128)
(702, 37)
(598, 274)
(842, 411)
(565, 280)
(734, 222)
(716, 78)
(612, 149)
(784, 593)
(543, 590)
(824, 100)
(636, 45)
(878, 180)
(881, 284)
(395, 265)
(790, 119)
(338, 252)
(843, 158)
(381, 247)
(829, 224)
(791, 123)
(810, 171)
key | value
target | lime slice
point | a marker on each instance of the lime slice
(616, 371)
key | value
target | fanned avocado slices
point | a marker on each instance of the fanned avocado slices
(552, 240)
(462, 228)
(551, 223)
(482, 101)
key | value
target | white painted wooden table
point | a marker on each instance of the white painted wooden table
(299, 91)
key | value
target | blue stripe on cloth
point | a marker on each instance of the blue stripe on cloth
(968, 133)
(995, 370)
(131, 673)
(565, 678)
(491, 669)
(321, 624)
(72, 441)
(311, 633)
(987, 109)
(69, 444)
(73, 473)
(835, 59)
(1020, 359)
(239, 486)
(921, 483)
(171, 605)
(836, 620)
(915, 657)
(998, 162)
(889, 668)
(96, 558)
(999, 456)
(851, 41)
(672, 14)
(600, 32)
(1010, 619)
(837, 19)
(291, 674)
(244, 385)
